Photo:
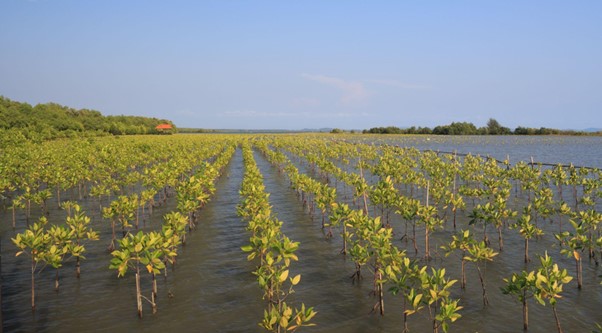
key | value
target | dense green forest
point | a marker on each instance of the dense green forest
(465, 128)
(51, 120)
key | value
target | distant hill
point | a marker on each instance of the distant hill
(51, 120)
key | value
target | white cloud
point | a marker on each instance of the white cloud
(352, 92)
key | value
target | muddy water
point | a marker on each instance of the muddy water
(212, 290)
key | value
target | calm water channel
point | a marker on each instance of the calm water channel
(212, 288)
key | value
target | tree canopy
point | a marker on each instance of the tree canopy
(52, 120)
(493, 127)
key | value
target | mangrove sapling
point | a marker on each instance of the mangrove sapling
(563, 210)
(457, 202)
(160, 250)
(27, 196)
(17, 202)
(527, 229)
(427, 215)
(98, 191)
(403, 275)
(339, 216)
(176, 222)
(360, 256)
(361, 186)
(36, 243)
(494, 212)
(146, 199)
(477, 252)
(381, 252)
(141, 249)
(110, 214)
(80, 232)
(325, 197)
(590, 219)
(548, 284)
(121, 210)
(384, 196)
(60, 239)
(462, 241)
(573, 244)
(528, 176)
(359, 244)
(435, 288)
(574, 180)
(41, 198)
(408, 208)
(521, 286)
(543, 204)
(560, 179)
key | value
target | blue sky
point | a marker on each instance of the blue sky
(310, 64)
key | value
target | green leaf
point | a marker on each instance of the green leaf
(296, 279)
(283, 276)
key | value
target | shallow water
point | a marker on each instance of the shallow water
(212, 289)
(579, 150)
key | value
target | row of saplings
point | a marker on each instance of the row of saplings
(274, 251)
(368, 241)
(149, 252)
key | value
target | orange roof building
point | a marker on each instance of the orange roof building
(162, 127)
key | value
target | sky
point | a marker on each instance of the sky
(230, 64)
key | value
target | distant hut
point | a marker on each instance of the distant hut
(164, 128)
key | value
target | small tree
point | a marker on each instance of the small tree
(436, 294)
(478, 252)
(340, 214)
(521, 286)
(60, 238)
(36, 243)
(463, 241)
(141, 249)
(548, 284)
(573, 245)
(527, 229)
(80, 232)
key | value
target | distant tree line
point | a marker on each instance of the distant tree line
(195, 130)
(51, 120)
(465, 128)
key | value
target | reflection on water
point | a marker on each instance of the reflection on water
(212, 289)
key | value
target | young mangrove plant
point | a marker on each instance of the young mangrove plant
(521, 286)
(527, 229)
(37, 244)
(142, 250)
(445, 309)
(548, 284)
(573, 244)
(462, 241)
(478, 252)
(80, 232)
